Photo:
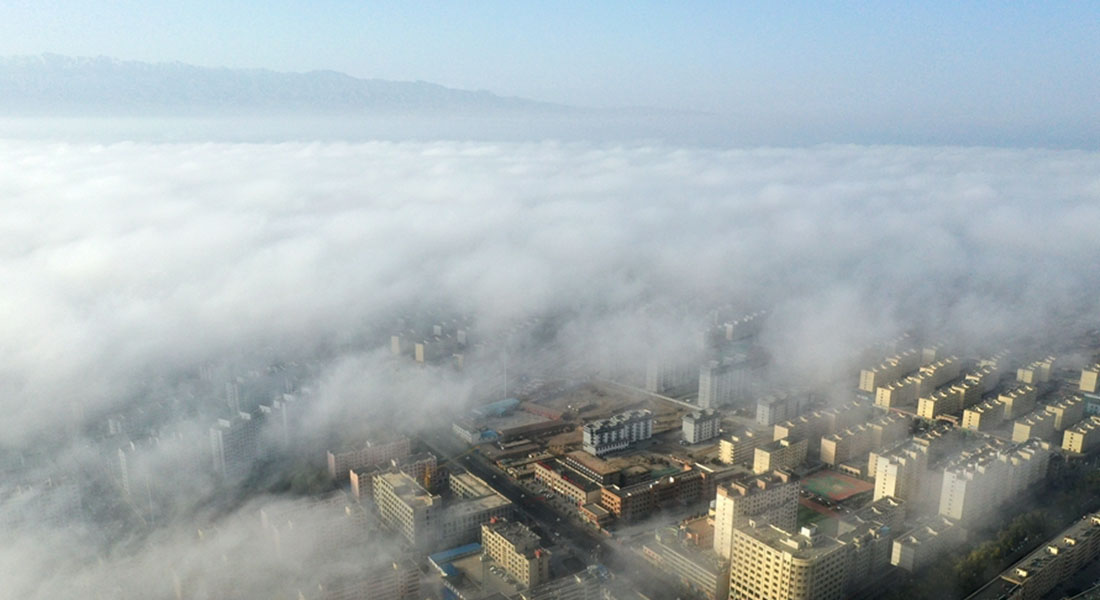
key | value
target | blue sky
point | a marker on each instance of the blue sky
(883, 65)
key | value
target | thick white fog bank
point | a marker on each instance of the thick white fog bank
(136, 258)
(125, 265)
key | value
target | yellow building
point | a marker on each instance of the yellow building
(1053, 563)
(517, 549)
(1039, 424)
(984, 416)
(1082, 437)
(768, 562)
(1090, 379)
(770, 498)
(740, 447)
(861, 439)
(1036, 372)
(1067, 412)
(779, 455)
(1019, 401)
(891, 370)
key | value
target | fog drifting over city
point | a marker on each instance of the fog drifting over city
(131, 261)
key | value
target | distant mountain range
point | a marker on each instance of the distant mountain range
(51, 84)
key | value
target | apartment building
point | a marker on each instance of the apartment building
(1037, 424)
(740, 447)
(1082, 437)
(1066, 554)
(766, 499)
(372, 453)
(700, 426)
(517, 550)
(978, 481)
(618, 432)
(923, 544)
(1067, 412)
(783, 454)
(767, 562)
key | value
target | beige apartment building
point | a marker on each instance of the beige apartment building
(984, 416)
(859, 440)
(740, 448)
(1066, 554)
(770, 498)
(1090, 379)
(768, 562)
(1067, 412)
(978, 481)
(1082, 437)
(1036, 372)
(900, 472)
(1019, 402)
(891, 370)
(517, 550)
(1038, 424)
(923, 544)
(779, 455)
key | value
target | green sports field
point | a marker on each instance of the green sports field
(835, 486)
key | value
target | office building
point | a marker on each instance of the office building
(517, 550)
(766, 499)
(618, 432)
(700, 426)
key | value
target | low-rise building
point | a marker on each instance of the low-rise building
(618, 432)
(700, 426)
(566, 482)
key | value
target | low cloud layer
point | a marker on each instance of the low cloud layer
(130, 262)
